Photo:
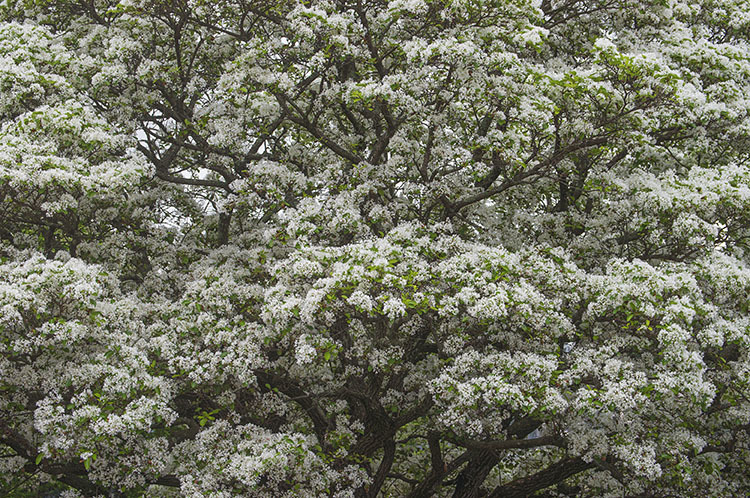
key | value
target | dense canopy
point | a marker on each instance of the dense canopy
(359, 248)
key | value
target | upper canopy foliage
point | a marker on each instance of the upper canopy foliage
(367, 248)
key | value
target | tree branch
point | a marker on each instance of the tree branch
(554, 474)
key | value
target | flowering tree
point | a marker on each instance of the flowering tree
(367, 248)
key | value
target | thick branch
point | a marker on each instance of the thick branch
(554, 474)
(436, 456)
(509, 443)
(389, 454)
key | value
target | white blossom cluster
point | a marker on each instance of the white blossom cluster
(403, 248)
